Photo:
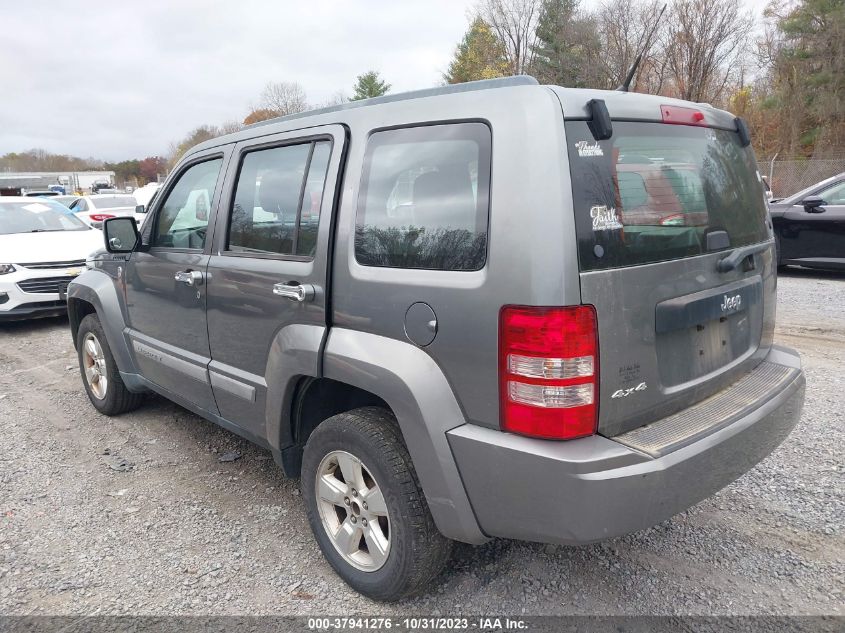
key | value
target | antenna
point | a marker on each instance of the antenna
(630, 76)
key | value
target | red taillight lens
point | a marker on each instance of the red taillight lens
(548, 371)
(681, 116)
(99, 217)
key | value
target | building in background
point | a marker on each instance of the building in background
(15, 183)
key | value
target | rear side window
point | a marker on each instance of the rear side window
(424, 198)
(277, 200)
(652, 192)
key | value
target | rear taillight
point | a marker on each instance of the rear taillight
(548, 371)
(99, 217)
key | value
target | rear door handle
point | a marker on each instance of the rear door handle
(189, 277)
(296, 292)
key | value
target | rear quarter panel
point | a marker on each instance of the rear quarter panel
(531, 255)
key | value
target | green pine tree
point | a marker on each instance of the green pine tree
(480, 55)
(369, 85)
(566, 46)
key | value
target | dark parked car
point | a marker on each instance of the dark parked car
(810, 226)
(439, 311)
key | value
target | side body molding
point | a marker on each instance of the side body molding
(412, 384)
(97, 288)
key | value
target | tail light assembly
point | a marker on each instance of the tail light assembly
(99, 217)
(548, 371)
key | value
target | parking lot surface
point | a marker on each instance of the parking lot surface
(139, 515)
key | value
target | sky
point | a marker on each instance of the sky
(118, 80)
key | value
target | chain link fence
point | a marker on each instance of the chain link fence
(787, 177)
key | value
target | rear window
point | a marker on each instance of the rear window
(424, 198)
(653, 192)
(113, 202)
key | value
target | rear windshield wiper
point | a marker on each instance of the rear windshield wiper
(45, 230)
(727, 264)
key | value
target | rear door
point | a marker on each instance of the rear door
(657, 207)
(268, 270)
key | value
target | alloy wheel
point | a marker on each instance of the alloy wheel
(94, 366)
(353, 511)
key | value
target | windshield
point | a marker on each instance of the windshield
(653, 192)
(37, 216)
(113, 202)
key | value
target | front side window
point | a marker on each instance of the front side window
(424, 198)
(182, 219)
(277, 201)
(834, 195)
(653, 192)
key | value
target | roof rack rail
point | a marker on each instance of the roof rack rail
(469, 86)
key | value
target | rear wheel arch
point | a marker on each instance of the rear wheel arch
(316, 400)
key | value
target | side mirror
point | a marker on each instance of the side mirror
(120, 234)
(812, 204)
(140, 208)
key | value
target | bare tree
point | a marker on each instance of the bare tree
(706, 47)
(515, 24)
(284, 97)
(623, 28)
(337, 98)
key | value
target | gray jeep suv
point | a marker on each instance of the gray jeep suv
(496, 309)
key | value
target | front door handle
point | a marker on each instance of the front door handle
(296, 292)
(189, 277)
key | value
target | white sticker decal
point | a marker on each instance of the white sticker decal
(585, 148)
(37, 207)
(604, 219)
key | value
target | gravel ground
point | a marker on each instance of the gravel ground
(138, 515)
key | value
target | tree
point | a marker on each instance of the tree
(623, 28)
(480, 55)
(42, 160)
(706, 47)
(369, 85)
(197, 135)
(283, 98)
(337, 98)
(151, 168)
(259, 114)
(125, 171)
(515, 24)
(809, 73)
(567, 49)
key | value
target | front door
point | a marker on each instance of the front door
(819, 235)
(267, 275)
(165, 284)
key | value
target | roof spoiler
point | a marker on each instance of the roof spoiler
(599, 122)
(742, 130)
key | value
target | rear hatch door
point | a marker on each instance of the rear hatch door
(675, 253)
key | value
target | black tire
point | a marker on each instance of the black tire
(418, 552)
(117, 398)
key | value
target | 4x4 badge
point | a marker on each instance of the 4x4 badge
(624, 393)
